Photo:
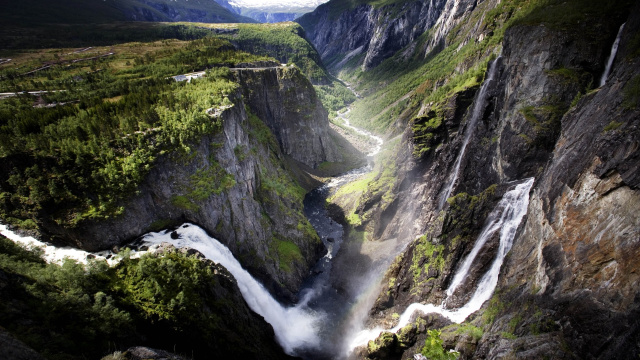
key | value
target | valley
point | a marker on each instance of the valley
(451, 179)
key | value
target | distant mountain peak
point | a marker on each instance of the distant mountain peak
(271, 10)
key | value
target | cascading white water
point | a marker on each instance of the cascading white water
(377, 139)
(295, 327)
(612, 56)
(478, 107)
(55, 254)
(506, 217)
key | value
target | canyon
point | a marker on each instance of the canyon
(499, 206)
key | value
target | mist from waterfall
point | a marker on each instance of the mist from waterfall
(295, 327)
(505, 218)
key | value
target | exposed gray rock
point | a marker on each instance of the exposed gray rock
(247, 217)
(377, 33)
(287, 102)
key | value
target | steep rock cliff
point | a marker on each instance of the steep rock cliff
(236, 184)
(375, 32)
(287, 102)
(568, 272)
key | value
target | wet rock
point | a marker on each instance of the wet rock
(175, 235)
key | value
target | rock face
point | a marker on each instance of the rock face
(377, 33)
(569, 287)
(234, 183)
(286, 101)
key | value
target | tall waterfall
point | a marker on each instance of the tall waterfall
(295, 327)
(476, 112)
(612, 56)
(506, 218)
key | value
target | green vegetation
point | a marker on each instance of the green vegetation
(377, 186)
(434, 350)
(334, 97)
(283, 41)
(210, 180)
(383, 342)
(288, 253)
(426, 256)
(471, 330)
(545, 121)
(72, 312)
(468, 212)
(613, 125)
(493, 309)
(91, 149)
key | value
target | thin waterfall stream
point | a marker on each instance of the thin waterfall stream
(476, 113)
(505, 218)
(612, 57)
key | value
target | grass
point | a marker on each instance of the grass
(283, 41)
(288, 253)
(425, 257)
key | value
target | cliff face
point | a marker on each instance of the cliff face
(377, 33)
(568, 287)
(286, 101)
(235, 184)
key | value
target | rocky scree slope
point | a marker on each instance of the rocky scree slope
(235, 184)
(568, 287)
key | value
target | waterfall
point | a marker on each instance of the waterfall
(55, 254)
(295, 327)
(506, 218)
(476, 112)
(612, 56)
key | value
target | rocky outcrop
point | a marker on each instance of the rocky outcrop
(576, 249)
(287, 102)
(372, 33)
(235, 184)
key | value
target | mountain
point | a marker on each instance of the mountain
(271, 11)
(476, 99)
(74, 11)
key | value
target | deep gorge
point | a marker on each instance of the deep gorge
(471, 182)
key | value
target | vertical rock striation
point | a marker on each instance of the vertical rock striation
(287, 102)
